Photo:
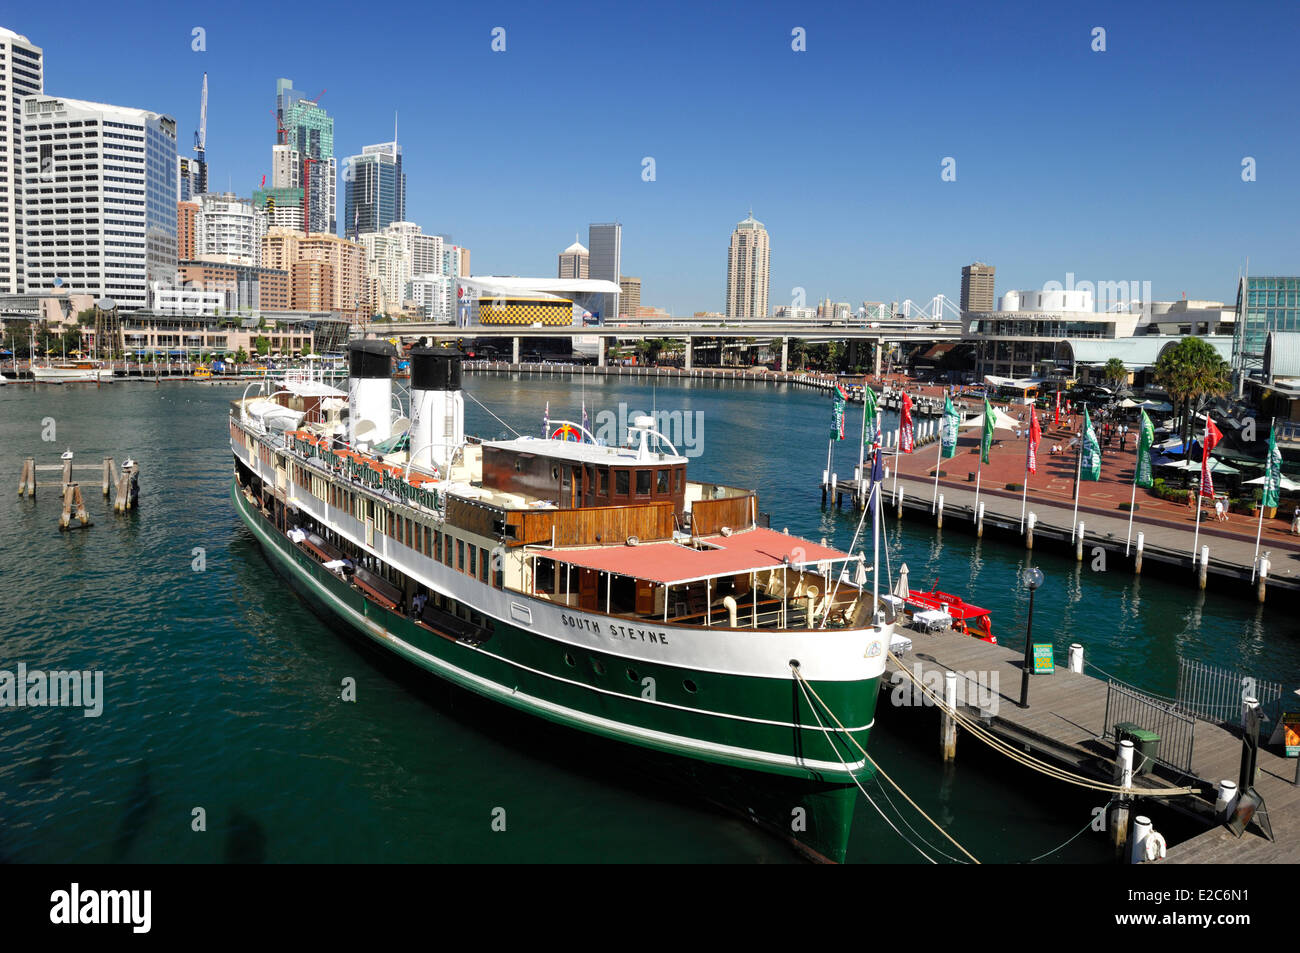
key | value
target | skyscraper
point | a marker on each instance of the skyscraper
(977, 287)
(20, 75)
(128, 198)
(747, 270)
(575, 261)
(374, 189)
(629, 295)
(604, 261)
(304, 155)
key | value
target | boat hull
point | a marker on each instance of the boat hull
(727, 759)
(71, 375)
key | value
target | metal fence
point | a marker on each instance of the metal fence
(1176, 729)
(1217, 694)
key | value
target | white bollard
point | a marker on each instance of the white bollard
(1124, 766)
(1205, 567)
(979, 522)
(939, 513)
(1141, 831)
(1226, 800)
(1076, 657)
(1078, 544)
(1137, 557)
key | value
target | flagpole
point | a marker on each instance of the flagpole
(898, 445)
(979, 469)
(1078, 477)
(1024, 487)
(862, 477)
(1200, 485)
(1132, 498)
(1259, 531)
(938, 463)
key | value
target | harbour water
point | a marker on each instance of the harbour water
(222, 691)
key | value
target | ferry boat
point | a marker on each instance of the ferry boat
(593, 586)
(71, 372)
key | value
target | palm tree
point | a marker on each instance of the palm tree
(1189, 372)
(1116, 372)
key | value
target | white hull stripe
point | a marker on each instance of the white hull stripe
(489, 687)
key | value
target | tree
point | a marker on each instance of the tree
(798, 350)
(1116, 372)
(1189, 372)
(262, 345)
(241, 356)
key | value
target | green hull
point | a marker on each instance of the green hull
(714, 750)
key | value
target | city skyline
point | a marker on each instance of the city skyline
(1146, 186)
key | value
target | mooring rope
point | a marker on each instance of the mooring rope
(807, 689)
(1029, 761)
(494, 416)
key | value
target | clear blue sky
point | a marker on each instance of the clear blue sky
(1122, 165)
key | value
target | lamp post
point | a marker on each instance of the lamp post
(1032, 578)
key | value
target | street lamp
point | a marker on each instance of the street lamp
(1032, 578)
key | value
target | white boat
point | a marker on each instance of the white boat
(71, 372)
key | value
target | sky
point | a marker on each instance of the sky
(1117, 165)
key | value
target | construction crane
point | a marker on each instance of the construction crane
(201, 142)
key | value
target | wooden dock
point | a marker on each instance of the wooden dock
(1065, 722)
(1167, 547)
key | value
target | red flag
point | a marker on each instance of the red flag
(1212, 437)
(905, 428)
(1035, 435)
(1058, 409)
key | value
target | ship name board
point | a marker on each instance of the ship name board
(631, 633)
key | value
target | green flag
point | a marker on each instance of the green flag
(837, 420)
(948, 430)
(986, 442)
(1090, 460)
(871, 419)
(1273, 472)
(1146, 437)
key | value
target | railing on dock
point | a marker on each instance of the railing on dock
(1176, 729)
(1218, 694)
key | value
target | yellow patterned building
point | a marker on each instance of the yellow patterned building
(525, 312)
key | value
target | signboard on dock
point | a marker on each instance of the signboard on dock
(1044, 661)
(1291, 729)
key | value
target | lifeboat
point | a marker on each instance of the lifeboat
(971, 619)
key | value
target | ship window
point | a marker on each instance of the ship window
(681, 478)
(690, 686)
(437, 545)
(662, 482)
(604, 482)
(447, 552)
(460, 554)
(483, 567)
(621, 482)
(642, 482)
(473, 560)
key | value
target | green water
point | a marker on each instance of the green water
(222, 690)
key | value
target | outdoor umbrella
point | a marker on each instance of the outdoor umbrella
(1216, 466)
(1155, 405)
(1285, 485)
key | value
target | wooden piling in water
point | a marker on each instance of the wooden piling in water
(1204, 567)
(1137, 556)
(1029, 531)
(948, 727)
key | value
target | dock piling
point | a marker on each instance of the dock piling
(1078, 544)
(979, 522)
(1204, 567)
(898, 501)
(109, 472)
(948, 726)
(1137, 555)
(1225, 802)
(1117, 823)
(938, 520)
(1262, 582)
(1076, 658)
(1029, 531)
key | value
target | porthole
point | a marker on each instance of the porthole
(632, 676)
(568, 660)
(690, 686)
(598, 667)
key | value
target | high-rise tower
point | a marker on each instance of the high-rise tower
(20, 75)
(747, 270)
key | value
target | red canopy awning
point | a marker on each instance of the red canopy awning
(672, 563)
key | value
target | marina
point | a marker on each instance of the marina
(1137, 646)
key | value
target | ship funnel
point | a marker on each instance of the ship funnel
(370, 391)
(437, 407)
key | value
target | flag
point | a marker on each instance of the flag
(948, 430)
(986, 441)
(1146, 437)
(1035, 435)
(1212, 438)
(870, 417)
(1090, 451)
(840, 392)
(905, 426)
(877, 467)
(837, 418)
(1058, 410)
(1272, 472)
